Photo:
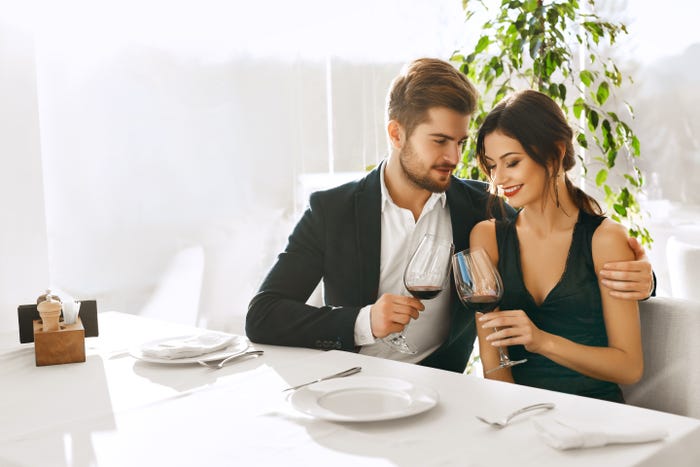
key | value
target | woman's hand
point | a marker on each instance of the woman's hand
(513, 327)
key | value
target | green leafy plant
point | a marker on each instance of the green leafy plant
(540, 45)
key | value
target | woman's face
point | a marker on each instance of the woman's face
(517, 175)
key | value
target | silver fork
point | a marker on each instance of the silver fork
(502, 423)
(221, 364)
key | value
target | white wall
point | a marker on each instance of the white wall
(24, 269)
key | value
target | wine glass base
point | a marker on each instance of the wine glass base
(505, 364)
(398, 342)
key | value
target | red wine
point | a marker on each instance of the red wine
(425, 292)
(482, 303)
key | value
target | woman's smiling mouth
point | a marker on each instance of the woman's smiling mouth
(512, 190)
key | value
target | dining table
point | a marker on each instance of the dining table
(116, 409)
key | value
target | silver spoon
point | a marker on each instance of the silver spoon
(221, 364)
(502, 423)
(348, 372)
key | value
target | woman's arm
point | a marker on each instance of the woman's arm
(631, 280)
(621, 361)
(484, 235)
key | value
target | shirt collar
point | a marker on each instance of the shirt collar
(429, 204)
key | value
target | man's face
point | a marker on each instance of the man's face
(434, 149)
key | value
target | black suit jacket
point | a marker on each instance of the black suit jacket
(338, 240)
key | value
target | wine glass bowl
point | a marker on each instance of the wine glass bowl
(426, 275)
(480, 288)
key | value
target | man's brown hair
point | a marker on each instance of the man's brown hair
(424, 84)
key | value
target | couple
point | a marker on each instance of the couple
(356, 238)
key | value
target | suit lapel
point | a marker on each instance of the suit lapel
(368, 235)
(460, 211)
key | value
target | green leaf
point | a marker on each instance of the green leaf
(633, 181)
(601, 177)
(635, 146)
(562, 92)
(592, 120)
(531, 5)
(581, 138)
(620, 209)
(603, 92)
(586, 77)
(484, 42)
(579, 106)
(553, 90)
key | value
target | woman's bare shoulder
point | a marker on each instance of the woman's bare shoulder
(485, 227)
(610, 241)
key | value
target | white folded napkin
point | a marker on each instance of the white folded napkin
(582, 434)
(188, 346)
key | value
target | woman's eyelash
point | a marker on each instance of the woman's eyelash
(508, 165)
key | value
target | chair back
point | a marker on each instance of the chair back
(671, 340)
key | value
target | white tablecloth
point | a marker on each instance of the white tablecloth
(114, 410)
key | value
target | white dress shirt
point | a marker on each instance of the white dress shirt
(400, 236)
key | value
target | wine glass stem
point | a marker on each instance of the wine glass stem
(503, 358)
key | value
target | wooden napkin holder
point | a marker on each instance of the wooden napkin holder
(66, 345)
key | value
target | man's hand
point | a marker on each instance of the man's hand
(392, 312)
(631, 280)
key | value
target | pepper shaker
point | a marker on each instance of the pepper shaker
(50, 311)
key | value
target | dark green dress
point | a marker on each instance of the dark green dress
(572, 310)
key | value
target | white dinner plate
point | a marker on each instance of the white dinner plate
(239, 345)
(363, 399)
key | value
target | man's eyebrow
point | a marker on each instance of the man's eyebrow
(442, 135)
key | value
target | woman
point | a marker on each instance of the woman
(577, 338)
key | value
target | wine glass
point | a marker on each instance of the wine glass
(480, 288)
(426, 275)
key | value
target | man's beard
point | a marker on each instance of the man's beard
(410, 166)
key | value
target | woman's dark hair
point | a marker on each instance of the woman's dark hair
(539, 125)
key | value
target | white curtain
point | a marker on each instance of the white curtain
(23, 243)
(173, 135)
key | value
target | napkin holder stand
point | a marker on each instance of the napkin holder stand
(67, 344)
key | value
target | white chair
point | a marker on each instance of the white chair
(683, 258)
(671, 339)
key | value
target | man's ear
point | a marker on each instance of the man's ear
(397, 135)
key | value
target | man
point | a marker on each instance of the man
(357, 238)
